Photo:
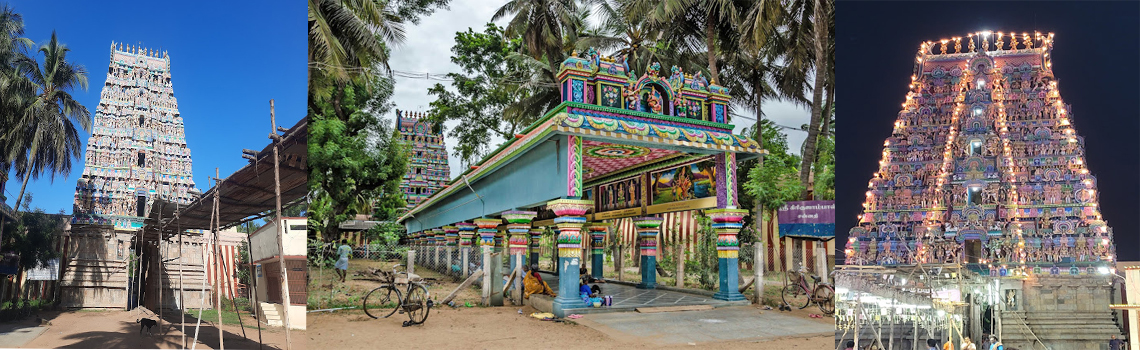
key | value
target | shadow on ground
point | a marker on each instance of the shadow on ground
(125, 334)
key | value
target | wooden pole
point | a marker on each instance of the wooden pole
(181, 270)
(466, 283)
(217, 260)
(679, 258)
(280, 224)
(160, 263)
(252, 290)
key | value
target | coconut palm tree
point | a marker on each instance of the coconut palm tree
(12, 92)
(348, 36)
(822, 14)
(691, 20)
(542, 25)
(43, 138)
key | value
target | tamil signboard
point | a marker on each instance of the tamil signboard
(809, 219)
(47, 272)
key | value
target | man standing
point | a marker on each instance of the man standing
(342, 264)
(1115, 344)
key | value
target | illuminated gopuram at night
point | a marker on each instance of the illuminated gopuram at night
(136, 153)
(982, 189)
(427, 158)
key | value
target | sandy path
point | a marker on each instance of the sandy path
(118, 330)
(493, 328)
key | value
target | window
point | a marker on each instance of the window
(975, 148)
(142, 159)
(974, 195)
(141, 206)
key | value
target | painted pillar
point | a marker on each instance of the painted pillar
(451, 233)
(440, 241)
(647, 229)
(518, 225)
(727, 224)
(570, 220)
(488, 229)
(598, 232)
(466, 231)
(535, 246)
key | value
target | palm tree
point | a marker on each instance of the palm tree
(689, 20)
(542, 25)
(12, 92)
(821, 21)
(347, 36)
(43, 137)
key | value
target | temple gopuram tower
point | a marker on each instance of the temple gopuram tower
(985, 171)
(136, 153)
(427, 158)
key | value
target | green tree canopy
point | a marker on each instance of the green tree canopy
(353, 159)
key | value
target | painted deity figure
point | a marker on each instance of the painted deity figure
(682, 184)
(655, 102)
(633, 99)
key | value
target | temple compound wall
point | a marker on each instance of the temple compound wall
(985, 169)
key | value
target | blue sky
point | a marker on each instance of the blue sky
(228, 59)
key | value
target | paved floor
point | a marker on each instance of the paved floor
(628, 298)
(721, 324)
(14, 335)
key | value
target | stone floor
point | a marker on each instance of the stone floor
(742, 323)
(627, 298)
(14, 335)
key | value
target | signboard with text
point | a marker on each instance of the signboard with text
(809, 219)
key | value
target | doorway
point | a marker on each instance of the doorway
(973, 251)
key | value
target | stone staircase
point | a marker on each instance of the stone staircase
(272, 317)
(1057, 330)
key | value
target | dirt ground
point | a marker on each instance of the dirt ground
(472, 327)
(118, 330)
(497, 328)
(326, 291)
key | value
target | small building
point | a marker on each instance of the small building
(263, 247)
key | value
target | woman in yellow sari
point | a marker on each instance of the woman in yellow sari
(533, 284)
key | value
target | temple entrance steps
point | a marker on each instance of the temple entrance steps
(272, 317)
(1019, 324)
(1057, 330)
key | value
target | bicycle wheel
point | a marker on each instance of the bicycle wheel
(417, 304)
(794, 296)
(382, 302)
(824, 296)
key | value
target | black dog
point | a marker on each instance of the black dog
(146, 323)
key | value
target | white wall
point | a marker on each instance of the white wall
(263, 243)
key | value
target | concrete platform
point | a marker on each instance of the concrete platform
(708, 326)
(628, 298)
(13, 335)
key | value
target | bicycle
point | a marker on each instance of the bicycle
(385, 300)
(795, 292)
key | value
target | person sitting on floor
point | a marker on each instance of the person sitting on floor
(584, 292)
(533, 284)
(585, 276)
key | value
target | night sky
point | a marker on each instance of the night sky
(1096, 62)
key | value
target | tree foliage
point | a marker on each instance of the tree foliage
(39, 115)
(33, 237)
(479, 95)
(354, 158)
(775, 182)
